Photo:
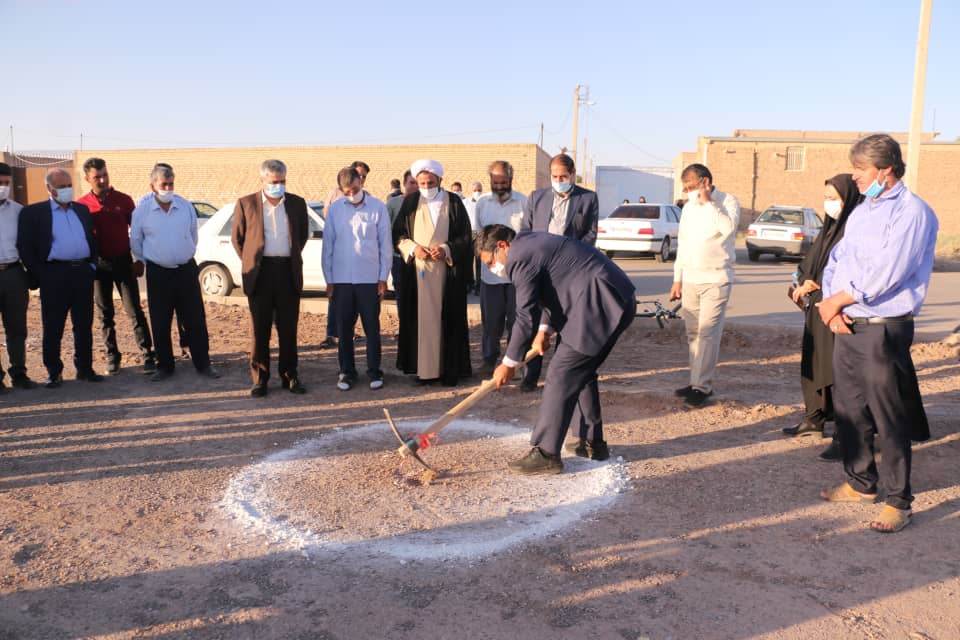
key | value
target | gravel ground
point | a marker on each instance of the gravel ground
(119, 507)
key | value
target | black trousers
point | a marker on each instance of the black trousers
(352, 300)
(873, 378)
(67, 288)
(14, 298)
(275, 300)
(818, 402)
(177, 289)
(571, 397)
(117, 272)
(498, 309)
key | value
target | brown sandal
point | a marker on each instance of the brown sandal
(891, 519)
(846, 493)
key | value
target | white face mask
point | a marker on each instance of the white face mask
(498, 269)
(4, 192)
(430, 193)
(356, 198)
(64, 195)
(166, 197)
(832, 208)
(476, 195)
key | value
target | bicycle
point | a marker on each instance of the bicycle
(660, 313)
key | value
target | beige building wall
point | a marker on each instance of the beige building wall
(755, 169)
(220, 176)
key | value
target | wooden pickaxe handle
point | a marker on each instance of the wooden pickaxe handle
(485, 387)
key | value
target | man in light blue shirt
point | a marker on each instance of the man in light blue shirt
(357, 257)
(163, 235)
(873, 285)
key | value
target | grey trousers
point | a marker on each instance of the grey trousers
(498, 307)
(704, 307)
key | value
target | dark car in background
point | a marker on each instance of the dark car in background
(783, 231)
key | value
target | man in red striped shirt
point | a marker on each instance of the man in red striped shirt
(112, 212)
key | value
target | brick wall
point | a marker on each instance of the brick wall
(755, 170)
(220, 176)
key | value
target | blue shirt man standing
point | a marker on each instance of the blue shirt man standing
(873, 285)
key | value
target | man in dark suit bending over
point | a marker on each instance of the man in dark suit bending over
(585, 299)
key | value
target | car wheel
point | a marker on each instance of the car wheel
(753, 256)
(215, 280)
(664, 255)
(610, 254)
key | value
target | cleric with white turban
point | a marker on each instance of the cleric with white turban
(433, 235)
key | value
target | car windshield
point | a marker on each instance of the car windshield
(636, 212)
(782, 216)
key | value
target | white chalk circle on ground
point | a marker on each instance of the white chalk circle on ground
(346, 489)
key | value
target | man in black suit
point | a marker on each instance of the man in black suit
(580, 295)
(563, 209)
(55, 242)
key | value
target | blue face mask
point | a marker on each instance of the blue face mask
(561, 187)
(875, 188)
(275, 190)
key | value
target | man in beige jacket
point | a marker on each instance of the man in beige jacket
(703, 274)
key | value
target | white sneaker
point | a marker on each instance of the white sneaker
(343, 383)
(376, 384)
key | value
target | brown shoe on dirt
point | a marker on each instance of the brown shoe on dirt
(846, 493)
(891, 519)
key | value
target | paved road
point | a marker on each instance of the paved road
(759, 295)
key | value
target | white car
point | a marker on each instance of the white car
(220, 266)
(642, 228)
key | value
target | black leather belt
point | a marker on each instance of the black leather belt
(10, 265)
(179, 266)
(71, 263)
(275, 258)
(903, 318)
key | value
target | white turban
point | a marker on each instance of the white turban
(430, 166)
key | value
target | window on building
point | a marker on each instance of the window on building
(795, 158)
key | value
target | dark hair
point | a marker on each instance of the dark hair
(566, 160)
(881, 151)
(163, 165)
(394, 184)
(346, 176)
(491, 234)
(456, 184)
(360, 164)
(5, 169)
(94, 163)
(699, 169)
(407, 175)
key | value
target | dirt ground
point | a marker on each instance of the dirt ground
(116, 520)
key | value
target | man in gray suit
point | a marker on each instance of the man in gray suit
(580, 295)
(563, 209)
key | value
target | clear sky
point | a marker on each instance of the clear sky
(132, 74)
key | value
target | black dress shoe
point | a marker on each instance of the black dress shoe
(536, 462)
(149, 366)
(3, 387)
(696, 398)
(208, 372)
(833, 453)
(54, 382)
(328, 343)
(161, 375)
(804, 428)
(423, 382)
(528, 387)
(683, 392)
(113, 368)
(589, 449)
(89, 376)
(23, 382)
(259, 390)
(293, 385)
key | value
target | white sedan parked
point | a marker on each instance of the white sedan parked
(220, 265)
(643, 228)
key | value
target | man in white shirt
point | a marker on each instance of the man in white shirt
(357, 257)
(163, 236)
(703, 274)
(470, 202)
(14, 295)
(497, 295)
(270, 230)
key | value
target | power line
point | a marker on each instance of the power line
(627, 141)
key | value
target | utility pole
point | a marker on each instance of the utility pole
(11, 140)
(576, 120)
(541, 135)
(81, 142)
(919, 85)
